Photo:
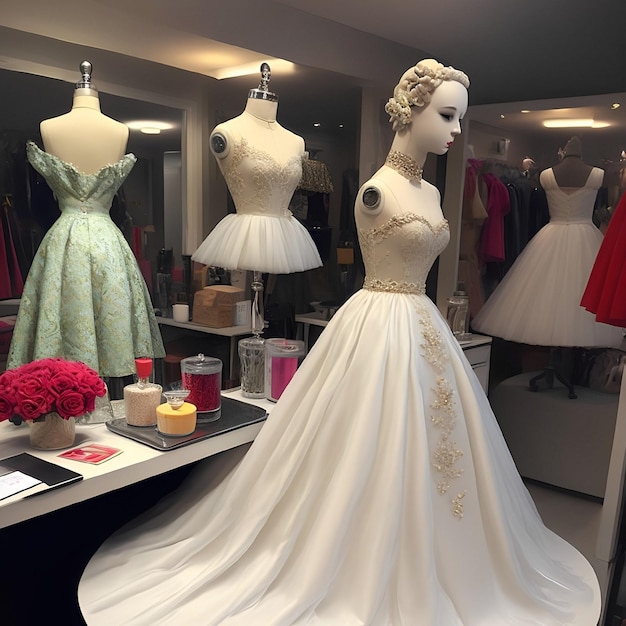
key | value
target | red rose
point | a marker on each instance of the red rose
(70, 404)
(7, 408)
(62, 382)
(32, 407)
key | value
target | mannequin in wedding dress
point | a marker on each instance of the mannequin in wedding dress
(85, 298)
(380, 491)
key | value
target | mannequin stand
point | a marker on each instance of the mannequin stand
(549, 373)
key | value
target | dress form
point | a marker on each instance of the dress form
(262, 165)
(258, 126)
(84, 298)
(84, 136)
(572, 171)
(408, 189)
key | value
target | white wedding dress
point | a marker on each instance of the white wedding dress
(379, 492)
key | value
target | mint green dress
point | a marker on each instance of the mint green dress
(84, 298)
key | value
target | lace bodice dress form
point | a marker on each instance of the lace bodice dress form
(270, 184)
(263, 235)
(84, 297)
(399, 254)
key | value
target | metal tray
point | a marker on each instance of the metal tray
(235, 414)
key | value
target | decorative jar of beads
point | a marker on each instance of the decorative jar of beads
(202, 376)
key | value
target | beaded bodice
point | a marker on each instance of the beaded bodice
(77, 192)
(399, 253)
(258, 183)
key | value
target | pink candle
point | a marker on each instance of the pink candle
(283, 369)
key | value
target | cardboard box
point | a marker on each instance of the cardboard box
(214, 305)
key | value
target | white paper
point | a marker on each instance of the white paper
(14, 482)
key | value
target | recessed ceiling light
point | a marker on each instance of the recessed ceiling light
(154, 125)
(524, 111)
(148, 130)
(569, 123)
(615, 105)
(316, 124)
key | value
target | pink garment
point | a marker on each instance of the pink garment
(498, 205)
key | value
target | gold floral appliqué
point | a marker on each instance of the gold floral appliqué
(446, 455)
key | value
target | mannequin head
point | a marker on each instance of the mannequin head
(434, 126)
(573, 148)
(416, 88)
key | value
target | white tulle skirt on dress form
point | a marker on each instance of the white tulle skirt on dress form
(380, 492)
(538, 300)
(265, 243)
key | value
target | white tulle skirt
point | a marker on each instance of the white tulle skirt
(277, 245)
(379, 492)
(538, 300)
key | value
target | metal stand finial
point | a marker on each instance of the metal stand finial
(85, 81)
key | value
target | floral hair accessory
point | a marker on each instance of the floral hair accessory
(416, 87)
(68, 388)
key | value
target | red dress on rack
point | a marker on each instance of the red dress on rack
(605, 294)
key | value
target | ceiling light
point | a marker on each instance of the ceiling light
(615, 105)
(149, 127)
(525, 111)
(569, 123)
(247, 69)
(316, 124)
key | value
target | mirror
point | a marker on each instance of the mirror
(501, 137)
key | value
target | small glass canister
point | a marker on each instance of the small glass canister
(252, 361)
(282, 358)
(202, 376)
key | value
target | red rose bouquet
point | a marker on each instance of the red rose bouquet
(68, 388)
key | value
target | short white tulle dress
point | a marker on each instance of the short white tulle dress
(538, 300)
(379, 492)
(263, 234)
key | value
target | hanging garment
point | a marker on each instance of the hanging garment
(538, 300)
(605, 293)
(84, 298)
(379, 492)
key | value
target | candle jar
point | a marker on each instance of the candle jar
(282, 358)
(202, 377)
(176, 418)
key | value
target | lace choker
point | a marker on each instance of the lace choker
(404, 164)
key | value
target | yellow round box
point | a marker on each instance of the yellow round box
(176, 422)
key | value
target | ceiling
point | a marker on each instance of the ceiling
(512, 51)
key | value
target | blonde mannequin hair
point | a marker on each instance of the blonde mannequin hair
(416, 87)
